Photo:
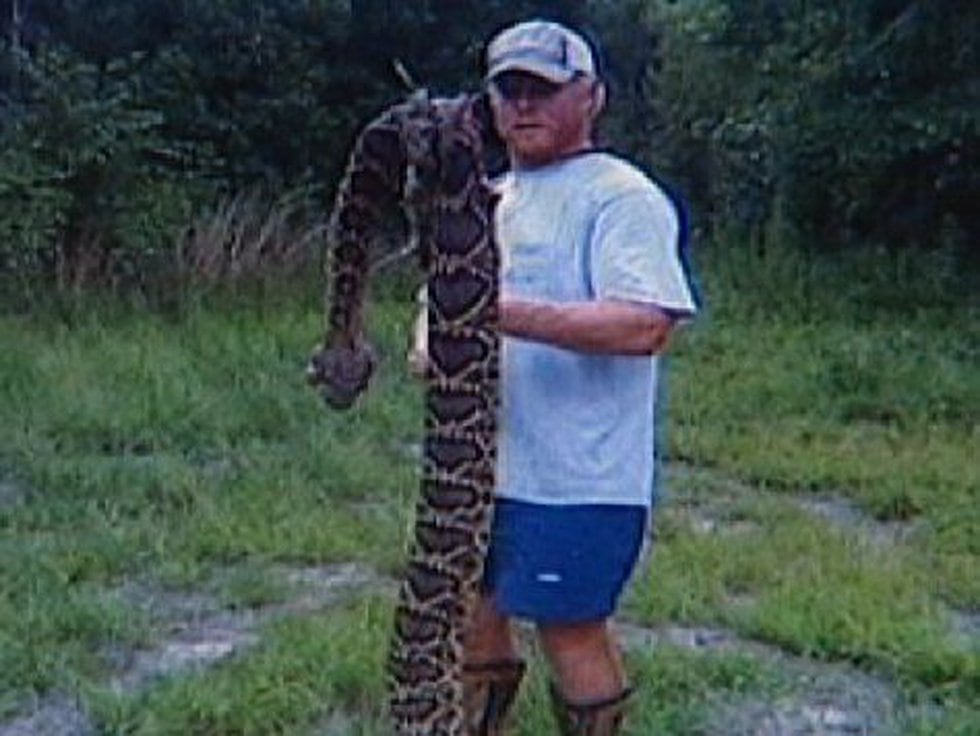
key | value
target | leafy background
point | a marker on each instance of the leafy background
(832, 123)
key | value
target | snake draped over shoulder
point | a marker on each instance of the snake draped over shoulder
(426, 156)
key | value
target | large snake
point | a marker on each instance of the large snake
(426, 155)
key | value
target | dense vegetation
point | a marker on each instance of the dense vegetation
(829, 123)
(164, 470)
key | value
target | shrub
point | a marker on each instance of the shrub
(90, 192)
(853, 121)
(250, 237)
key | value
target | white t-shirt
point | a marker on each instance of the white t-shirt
(577, 427)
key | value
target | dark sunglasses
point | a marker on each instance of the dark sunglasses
(513, 87)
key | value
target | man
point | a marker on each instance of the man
(591, 286)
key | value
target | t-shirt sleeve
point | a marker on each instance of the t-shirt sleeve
(635, 253)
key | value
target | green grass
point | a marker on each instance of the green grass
(856, 376)
(813, 590)
(303, 669)
(182, 446)
(151, 445)
(308, 669)
(674, 690)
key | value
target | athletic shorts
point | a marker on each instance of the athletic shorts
(561, 564)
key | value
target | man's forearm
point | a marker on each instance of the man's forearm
(593, 327)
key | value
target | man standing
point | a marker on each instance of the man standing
(591, 286)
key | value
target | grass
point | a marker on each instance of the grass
(856, 376)
(813, 590)
(142, 444)
(307, 667)
(675, 690)
(281, 687)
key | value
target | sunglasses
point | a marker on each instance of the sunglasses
(513, 87)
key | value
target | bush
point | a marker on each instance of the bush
(250, 237)
(852, 121)
(90, 191)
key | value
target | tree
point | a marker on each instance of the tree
(854, 120)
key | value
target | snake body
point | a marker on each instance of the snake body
(426, 156)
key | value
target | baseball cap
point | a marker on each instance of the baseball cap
(540, 47)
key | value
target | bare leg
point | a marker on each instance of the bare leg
(492, 671)
(585, 659)
(589, 694)
(489, 637)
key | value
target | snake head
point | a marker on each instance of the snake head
(341, 373)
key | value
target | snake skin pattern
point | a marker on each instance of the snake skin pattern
(426, 156)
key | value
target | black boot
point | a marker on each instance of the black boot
(596, 718)
(489, 690)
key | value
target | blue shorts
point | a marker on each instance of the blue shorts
(561, 564)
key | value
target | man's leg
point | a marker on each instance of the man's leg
(489, 637)
(590, 688)
(492, 670)
(585, 660)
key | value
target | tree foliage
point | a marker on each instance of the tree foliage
(852, 120)
(844, 121)
(88, 183)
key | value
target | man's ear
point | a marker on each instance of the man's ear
(598, 102)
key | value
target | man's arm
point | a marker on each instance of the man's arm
(614, 327)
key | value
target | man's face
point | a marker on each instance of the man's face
(540, 120)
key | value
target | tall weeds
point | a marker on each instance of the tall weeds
(249, 238)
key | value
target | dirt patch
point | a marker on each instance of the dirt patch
(843, 715)
(706, 503)
(54, 716)
(820, 699)
(639, 638)
(408, 450)
(336, 724)
(12, 493)
(162, 604)
(331, 584)
(704, 497)
(824, 700)
(966, 629)
(844, 513)
(188, 645)
(704, 521)
(195, 631)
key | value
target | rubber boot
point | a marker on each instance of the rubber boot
(489, 691)
(598, 718)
